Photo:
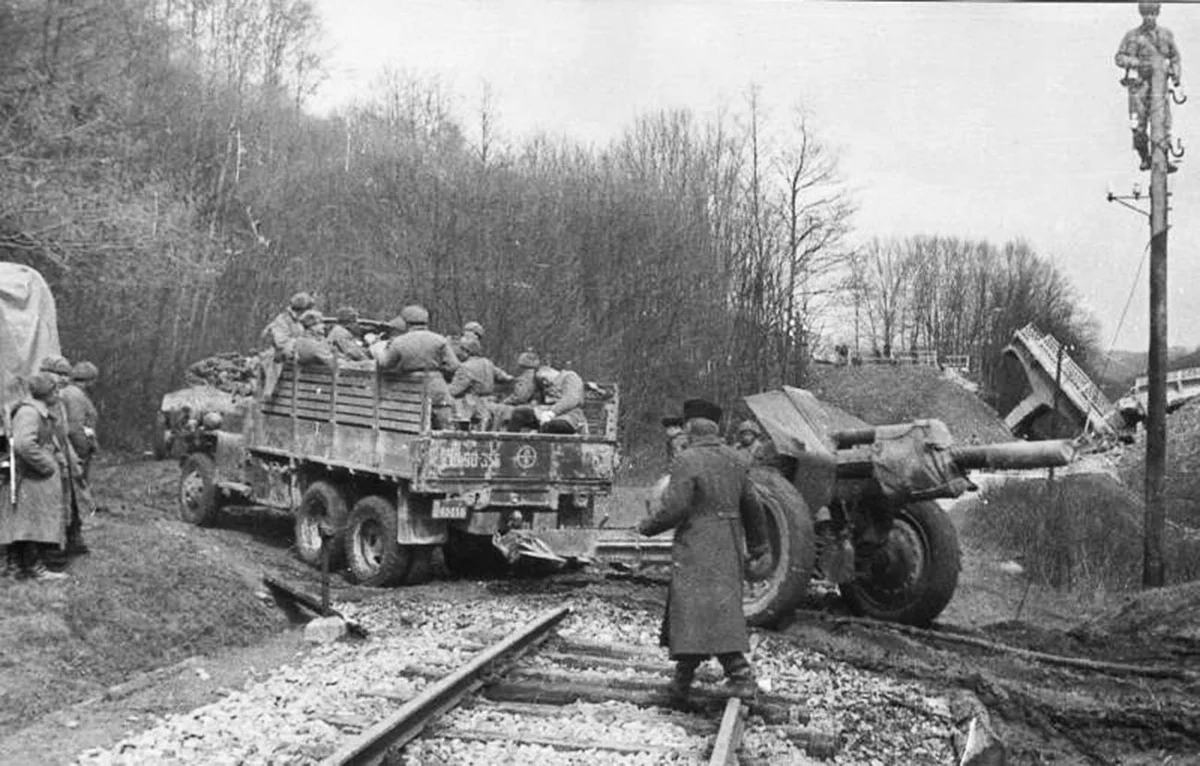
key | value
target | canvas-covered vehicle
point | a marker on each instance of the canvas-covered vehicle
(28, 334)
(351, 452)
(854, 504)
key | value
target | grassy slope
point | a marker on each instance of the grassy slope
(151, 593)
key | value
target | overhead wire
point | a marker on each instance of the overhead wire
(1129, 300)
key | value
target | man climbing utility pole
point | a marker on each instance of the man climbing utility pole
(1149, 57)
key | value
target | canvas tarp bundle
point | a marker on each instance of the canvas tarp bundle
(913, 461)
(28, 327)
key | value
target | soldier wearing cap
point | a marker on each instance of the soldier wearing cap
(344, 338)
(712, 507)
(58, 368)
(1135, 56)
(281, 333)
(39, 518)
(82, 417)
(474, 385)
(422, 352)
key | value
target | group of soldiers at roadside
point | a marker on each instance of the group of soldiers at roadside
(461, 378)
(53, 440)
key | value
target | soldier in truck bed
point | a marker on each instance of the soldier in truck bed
(344, 337)
(420, 351)
(282, 331)
(474, 384)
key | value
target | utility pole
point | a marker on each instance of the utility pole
(1149, 57)
(1153, 569)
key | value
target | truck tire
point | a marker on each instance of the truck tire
(321, 502)
(198, 490)
(793, 550)
(912, 576)
(372, 553)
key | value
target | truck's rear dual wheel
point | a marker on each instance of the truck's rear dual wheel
(372, 554)
(322, 503)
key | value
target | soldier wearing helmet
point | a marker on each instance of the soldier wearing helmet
(285, 328)
(344, 336)
(474, 385)
(421, 352)
(752, 443)
(1135, 57)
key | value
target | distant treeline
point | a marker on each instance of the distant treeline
(160, 170)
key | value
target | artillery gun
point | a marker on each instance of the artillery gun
(865, 495)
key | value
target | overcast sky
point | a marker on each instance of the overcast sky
(981, 120)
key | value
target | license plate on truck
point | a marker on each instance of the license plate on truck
(450, 508)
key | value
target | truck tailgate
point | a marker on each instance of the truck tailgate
(457, 459)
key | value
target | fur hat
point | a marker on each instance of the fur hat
(42, 385)
(311, 317)
(474, 327)
(55, 364)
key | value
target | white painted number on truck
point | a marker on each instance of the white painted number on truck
(460, 455)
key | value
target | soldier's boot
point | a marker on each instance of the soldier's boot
(1141, 144)
(681, 681)
(739, 676)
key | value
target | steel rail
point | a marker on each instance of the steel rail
(406, 723)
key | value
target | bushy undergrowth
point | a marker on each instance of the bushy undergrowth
(1079, 532)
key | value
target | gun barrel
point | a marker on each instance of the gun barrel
(1013, 455)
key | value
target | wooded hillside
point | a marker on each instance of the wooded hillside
(160, 169)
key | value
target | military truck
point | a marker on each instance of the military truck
(854, 504)
(350, 451)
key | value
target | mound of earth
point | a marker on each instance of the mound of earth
(1166, 615)
(886, 394)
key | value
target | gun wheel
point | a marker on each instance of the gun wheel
(912, 576)
(793, 551)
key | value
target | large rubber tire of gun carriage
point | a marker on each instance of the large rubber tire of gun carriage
(793, 549)
(911, 577)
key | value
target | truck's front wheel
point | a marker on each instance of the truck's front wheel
(790, 534)
(372, 553)
(912, 576)
(198, 490)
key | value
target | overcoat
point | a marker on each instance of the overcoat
(708, 494)
(41, 511)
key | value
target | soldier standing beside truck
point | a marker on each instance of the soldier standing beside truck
(712, 507)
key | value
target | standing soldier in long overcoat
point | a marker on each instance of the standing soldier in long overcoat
(713, 508)
(39, 518)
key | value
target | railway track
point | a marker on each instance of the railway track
(531, 693)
